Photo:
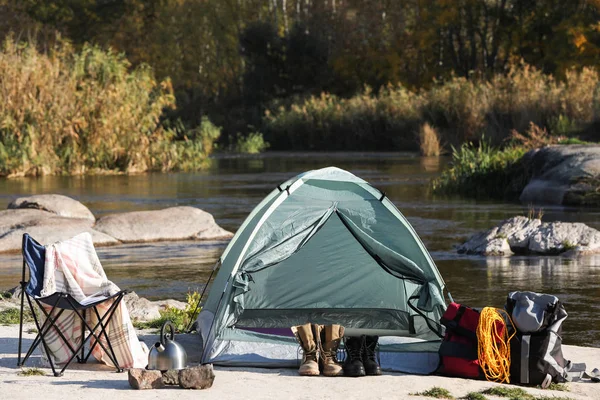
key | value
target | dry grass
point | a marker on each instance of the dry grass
(461, 110)
(68, 112)
(429, 141)
(534, 137)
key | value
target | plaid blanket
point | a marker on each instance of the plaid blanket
(73, 267)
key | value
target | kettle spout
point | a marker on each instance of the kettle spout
(158, 346)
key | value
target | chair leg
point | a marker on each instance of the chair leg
(97, 338)
(41, 333)
(81, 359)
(21, 323)
(112, 354)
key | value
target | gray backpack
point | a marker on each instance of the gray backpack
(536, 353)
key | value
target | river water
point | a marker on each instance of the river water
(234, 185)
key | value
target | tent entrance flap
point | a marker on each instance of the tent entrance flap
(331, 279)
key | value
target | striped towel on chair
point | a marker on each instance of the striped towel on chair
(73, 267)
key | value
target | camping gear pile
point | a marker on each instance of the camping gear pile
(520, 345)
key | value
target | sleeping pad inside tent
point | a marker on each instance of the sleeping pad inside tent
(324, 247)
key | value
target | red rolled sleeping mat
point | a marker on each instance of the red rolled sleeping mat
(458, 351)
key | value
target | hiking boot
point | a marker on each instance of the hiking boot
(368, 356)
(330, 338)
(310, 358)
(353, 365)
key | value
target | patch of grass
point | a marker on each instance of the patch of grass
(32, 372)
(572, 141)
(474, 396)
(483, 171)
(10, 316)
(533, 214)
(551, 398)
(560, 387)
(512, 392)
(437, 392)
(567, 245)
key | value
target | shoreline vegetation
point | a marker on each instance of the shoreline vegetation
(84, 112)
(450, 113)
(146, 85)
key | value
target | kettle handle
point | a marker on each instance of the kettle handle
(163, 334)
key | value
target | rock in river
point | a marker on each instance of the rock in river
(45, 227)
(531, 236)
(175, 223)
(60, 205)
(568, 175)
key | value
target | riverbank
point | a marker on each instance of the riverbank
(549, 174)
(94, 381)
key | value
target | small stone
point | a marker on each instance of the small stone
(140, 378)
(171, 377)
(200, 377)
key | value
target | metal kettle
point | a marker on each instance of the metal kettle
(167, 354)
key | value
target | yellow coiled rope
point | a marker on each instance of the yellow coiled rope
(494, 347)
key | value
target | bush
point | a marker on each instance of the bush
(364, 122)
(251, 144)
(68, 112)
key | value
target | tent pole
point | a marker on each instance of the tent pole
(187, 328)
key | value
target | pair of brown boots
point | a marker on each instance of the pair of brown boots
(320, 344)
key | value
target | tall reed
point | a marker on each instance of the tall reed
(68, 112)
(462, 110)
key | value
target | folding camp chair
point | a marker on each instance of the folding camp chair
(34, 258)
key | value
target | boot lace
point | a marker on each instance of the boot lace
(354, 352)
(371, 350)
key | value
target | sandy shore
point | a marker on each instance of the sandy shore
(96, 381)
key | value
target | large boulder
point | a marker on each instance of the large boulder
(142, 309)
(45, 227)
(530, 236)
(568, 175)
(176, 223)
(55, 203)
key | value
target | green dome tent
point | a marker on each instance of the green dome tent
(324, 247)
